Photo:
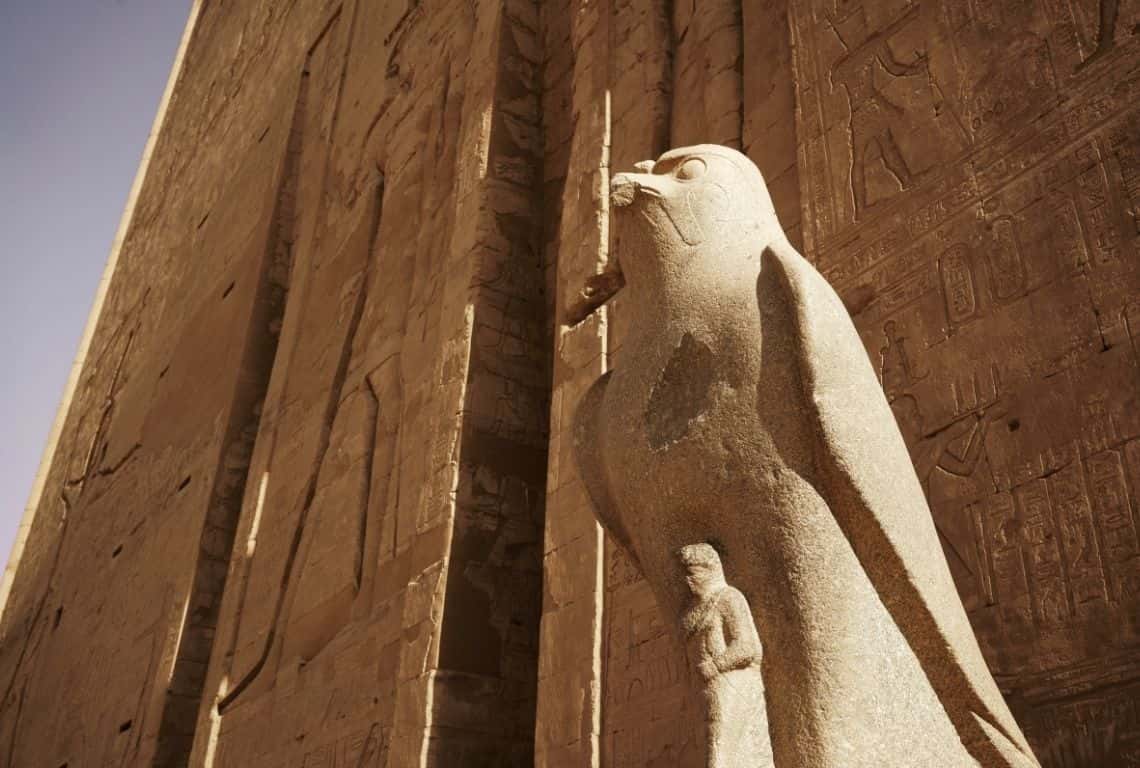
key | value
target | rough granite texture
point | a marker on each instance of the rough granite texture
(745, 418)
(313, 502)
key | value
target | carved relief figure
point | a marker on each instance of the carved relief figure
(745, 411)
(874, 116)
(724, 650)
(943, 450)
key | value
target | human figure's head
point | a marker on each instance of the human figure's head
(704, 573)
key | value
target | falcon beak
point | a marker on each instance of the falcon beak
(625, 186)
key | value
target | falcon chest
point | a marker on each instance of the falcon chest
(679, 424)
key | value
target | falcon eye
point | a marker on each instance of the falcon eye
(693, 168)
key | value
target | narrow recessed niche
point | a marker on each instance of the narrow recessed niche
(116, 551)
(163, 372)
(1014, 425)
(125, 726)
(185, 482)
(58, 617)
(226, 292)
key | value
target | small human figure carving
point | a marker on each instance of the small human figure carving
(723, 647)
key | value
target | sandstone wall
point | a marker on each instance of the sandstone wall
(970, 174)
(320, 381)
(313, 501)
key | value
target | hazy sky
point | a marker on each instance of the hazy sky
(80, 82)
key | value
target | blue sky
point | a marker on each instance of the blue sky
(80, 82)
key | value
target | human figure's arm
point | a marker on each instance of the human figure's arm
(742, 643)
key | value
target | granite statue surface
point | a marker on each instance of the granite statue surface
(745, 429)
(724, 649)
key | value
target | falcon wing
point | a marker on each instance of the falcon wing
(871, 487)
(587, 455)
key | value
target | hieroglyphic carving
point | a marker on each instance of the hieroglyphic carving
(1098, 214)
(1078, 540)
(1011, 585)
(1057, 567)
(1084, 714)
(938, 450)
(1044, 136)
(1042, 554)
(1003, 251)
(1124, 151)
(362, 749)
(1115, 523)
(898, 370)
(958, 284)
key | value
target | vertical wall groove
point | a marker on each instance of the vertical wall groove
(488, 654)
(296, 240)
(183, 698)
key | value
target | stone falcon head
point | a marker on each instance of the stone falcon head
(706, 197)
